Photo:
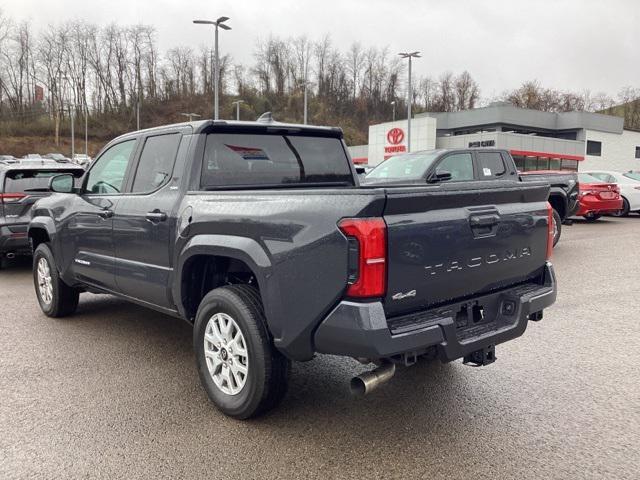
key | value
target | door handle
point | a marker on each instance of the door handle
(484, 221)
(105, 214)
(156, 216)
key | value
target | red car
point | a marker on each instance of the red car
(597, 198)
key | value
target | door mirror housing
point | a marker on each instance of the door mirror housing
(439, 176)
(63, 183)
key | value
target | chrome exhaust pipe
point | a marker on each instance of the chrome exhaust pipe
(10, 255)
(367, 382)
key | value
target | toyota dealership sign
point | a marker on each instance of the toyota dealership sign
(389, 139)
(395, 137)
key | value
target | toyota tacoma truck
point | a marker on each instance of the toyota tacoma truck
(260, 236)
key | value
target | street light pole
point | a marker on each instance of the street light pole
(216, 75)
(86, 136)
(237, 104)
(73, 133)
(393, 104)
(409, 55)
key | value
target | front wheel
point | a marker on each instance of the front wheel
(557, 227)
(56, 298)
(239, 367)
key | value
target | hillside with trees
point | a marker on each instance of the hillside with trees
(110, 74)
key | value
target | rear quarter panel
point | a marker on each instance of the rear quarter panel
(305, 271)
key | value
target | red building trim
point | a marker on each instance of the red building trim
(563, 156)
(360, 160)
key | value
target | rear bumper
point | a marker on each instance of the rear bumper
(362, 330)
(590, 204)
(14, 239)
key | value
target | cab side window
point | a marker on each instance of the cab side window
(156, 162)
(491, 164)
(107, 176)
(459, 165)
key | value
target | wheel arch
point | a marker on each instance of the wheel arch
(41, 229)
(210, 261)
(558, 201)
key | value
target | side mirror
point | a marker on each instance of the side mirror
(439, 176)
(62, 183)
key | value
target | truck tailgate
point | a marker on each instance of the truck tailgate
(451, 241)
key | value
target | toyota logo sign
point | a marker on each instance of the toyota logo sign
(395, 136)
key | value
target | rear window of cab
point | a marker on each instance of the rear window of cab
(249, 160)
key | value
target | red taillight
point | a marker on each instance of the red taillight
(549, 230)
(371, 234)
(11, 197)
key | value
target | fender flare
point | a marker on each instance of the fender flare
(43, 223)
(243, 249)
(558, 192)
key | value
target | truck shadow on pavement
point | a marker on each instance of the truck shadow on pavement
(417, 399)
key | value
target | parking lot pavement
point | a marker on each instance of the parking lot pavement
(113, 392)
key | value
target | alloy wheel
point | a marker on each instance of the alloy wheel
(226, 354)
(45, 286)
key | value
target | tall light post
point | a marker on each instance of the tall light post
(409, 55)
(191, 115)
(393, 104)
(86, 130)
(72, 114)
(216, 74)
(237, 104)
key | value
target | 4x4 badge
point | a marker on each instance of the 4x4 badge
(400, 295)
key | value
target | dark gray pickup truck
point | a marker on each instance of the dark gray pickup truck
(259, 234)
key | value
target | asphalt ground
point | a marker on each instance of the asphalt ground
(112, 392)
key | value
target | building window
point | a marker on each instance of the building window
(594, 148)
(637, 152)
(569, 165)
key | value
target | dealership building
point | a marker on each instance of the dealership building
(537, 140)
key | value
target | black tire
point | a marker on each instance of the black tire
(592, 217)
(64, 299)
(625, 209)
(558, 227)
(268, 370)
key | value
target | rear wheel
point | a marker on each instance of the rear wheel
(56, 298)
(625, 209)
(557, 227)
(239, 367)
(592, 217)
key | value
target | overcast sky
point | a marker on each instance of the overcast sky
(566, 44)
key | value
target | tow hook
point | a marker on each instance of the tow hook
(479, 358)
(536, 316)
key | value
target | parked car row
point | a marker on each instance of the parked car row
(628, 184)
(481, 164)
(79, 158)
(589, 194)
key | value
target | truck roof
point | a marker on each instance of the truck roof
(271, 126)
